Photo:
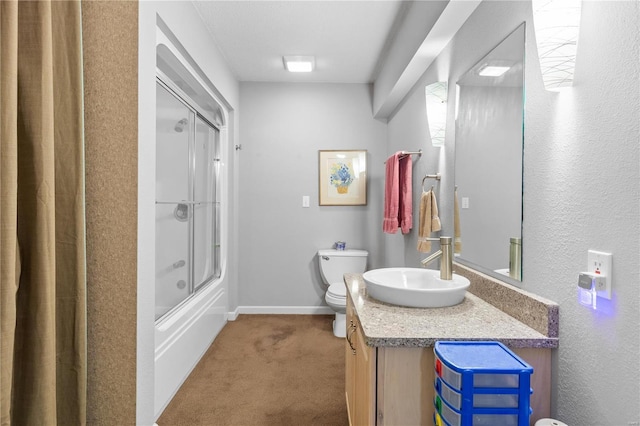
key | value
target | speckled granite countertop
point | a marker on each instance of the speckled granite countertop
(473, 319)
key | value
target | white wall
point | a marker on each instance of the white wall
(581, 191)
(582, 178)
(282, 128)
(408, 130)
(184, 22)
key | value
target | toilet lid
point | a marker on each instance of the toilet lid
(338, 290)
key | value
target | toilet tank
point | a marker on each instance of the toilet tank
(335, 263)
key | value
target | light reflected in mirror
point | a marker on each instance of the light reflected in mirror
(489, 157)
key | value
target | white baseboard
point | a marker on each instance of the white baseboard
(233, 315)
(286, 310)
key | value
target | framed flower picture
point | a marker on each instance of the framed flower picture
(342, 178)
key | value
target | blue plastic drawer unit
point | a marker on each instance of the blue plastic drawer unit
(508, 399)
(481, 383)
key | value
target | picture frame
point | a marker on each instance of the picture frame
(342, 177)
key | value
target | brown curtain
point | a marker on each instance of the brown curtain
(43, 316)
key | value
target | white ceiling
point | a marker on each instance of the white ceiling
(349, 39)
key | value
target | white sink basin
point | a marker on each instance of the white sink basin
(415, 287)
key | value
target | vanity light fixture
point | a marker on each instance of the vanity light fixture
(299, 63)
(557, 27)
(436, 102)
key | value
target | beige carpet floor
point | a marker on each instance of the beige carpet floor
(266, 370)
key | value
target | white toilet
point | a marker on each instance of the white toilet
(333, 265)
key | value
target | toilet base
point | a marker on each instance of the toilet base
(340, 325)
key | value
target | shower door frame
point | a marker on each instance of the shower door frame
(194, 288)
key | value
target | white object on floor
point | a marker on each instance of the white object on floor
(333, 265)
(549, 422)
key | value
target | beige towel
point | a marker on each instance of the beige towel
(429, 220)
(457, 240)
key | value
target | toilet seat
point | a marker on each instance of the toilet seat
(336, 297)
(338, 290)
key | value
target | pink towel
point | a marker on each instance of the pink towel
(405, 210)
(391, 195)
(398, 197)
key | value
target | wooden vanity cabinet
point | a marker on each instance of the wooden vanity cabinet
(360, 362)
(386, 386)
(395, 385)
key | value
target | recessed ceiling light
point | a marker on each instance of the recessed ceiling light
(299, 63)
(493, 70)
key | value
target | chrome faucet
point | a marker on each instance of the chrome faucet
(446, 252)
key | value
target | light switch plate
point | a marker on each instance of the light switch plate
(601, 262)
(305, 201)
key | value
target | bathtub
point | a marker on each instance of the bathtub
(182, 337)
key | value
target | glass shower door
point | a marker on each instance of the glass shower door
(173, 210)
(205, 244)
(187, 198)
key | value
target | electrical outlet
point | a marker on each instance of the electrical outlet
(600, 263)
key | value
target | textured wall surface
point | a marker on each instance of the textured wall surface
(281, 129)
(581, 192)
(582, 181)
(110, 34)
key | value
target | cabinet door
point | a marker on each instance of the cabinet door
(405, 386)
(365, 403)
(350, 363)
(360, 367)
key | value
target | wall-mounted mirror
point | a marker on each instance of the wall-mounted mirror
(488, 159)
